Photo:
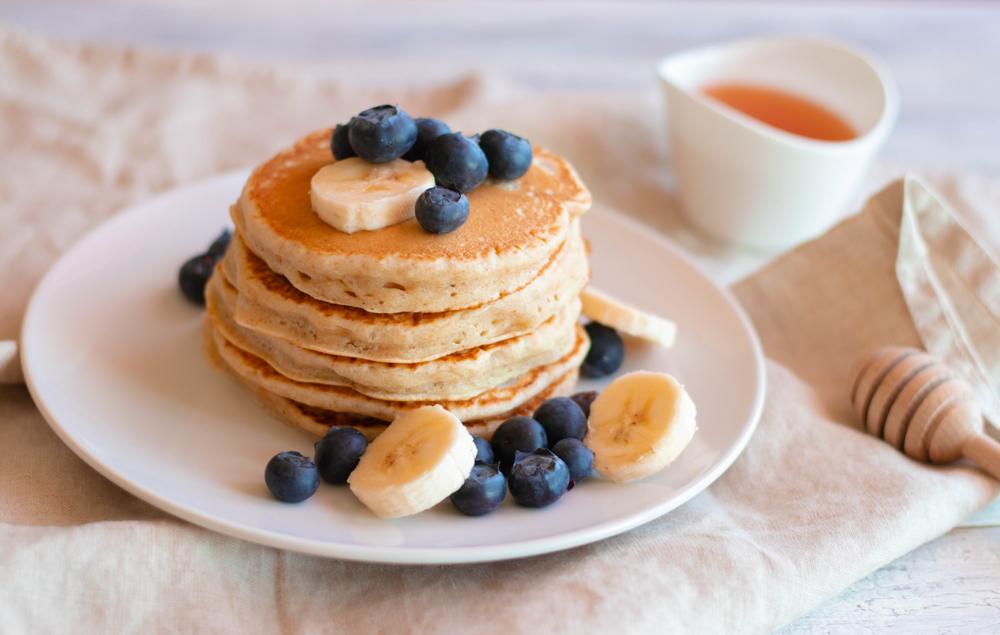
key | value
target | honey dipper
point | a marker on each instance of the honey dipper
(914, 402)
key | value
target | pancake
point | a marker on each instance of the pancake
(268, 303)
(492, 403)
(461, 375)
(318, 421)
(512, 231)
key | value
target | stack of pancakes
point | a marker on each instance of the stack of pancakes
(329, 328)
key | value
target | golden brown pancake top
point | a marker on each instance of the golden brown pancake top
(503, 216)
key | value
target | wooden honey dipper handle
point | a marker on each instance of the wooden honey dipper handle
(914, 402)
(984, 452)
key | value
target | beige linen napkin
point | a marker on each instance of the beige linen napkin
(810, 506)
(952, 288)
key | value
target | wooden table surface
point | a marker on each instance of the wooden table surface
(944, 55)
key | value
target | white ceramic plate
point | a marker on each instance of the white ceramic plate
(112, 354)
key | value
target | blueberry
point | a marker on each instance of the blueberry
(382, 133)
(218, 247)
(577, 457)
(561, 418)
(440, 210)
(291, 477)
(538, 479)
(427, 131)
(607, 352)
(519, 434)
(338, 453)
(456, 162)
(193, 276)
(340, 143)
(584, 399)
(482, 492)
(509, 155)
(484, 451)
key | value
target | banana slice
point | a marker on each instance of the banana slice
(422, 458)
(601, 307)
(354, 195)
(638, 425)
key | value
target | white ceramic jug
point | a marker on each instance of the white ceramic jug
(743, 181)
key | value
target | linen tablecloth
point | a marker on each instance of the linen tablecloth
(810, 506)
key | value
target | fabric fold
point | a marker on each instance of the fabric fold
(952, 288)
(10, 363)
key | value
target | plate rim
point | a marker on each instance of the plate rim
(394, 554)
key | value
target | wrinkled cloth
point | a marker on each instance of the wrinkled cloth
(952, 288)
(811, 505)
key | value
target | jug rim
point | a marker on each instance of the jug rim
(873, 134)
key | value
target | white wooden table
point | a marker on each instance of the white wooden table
(945, 56)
